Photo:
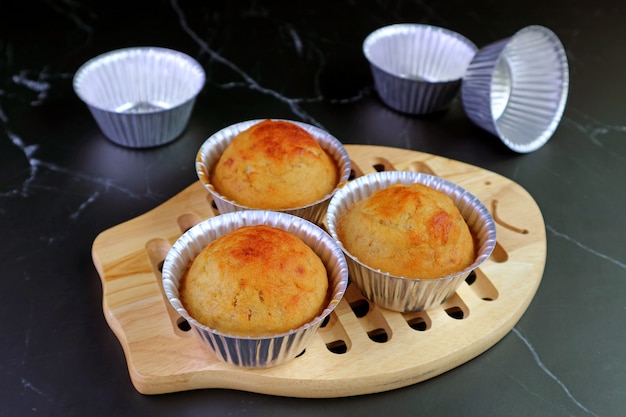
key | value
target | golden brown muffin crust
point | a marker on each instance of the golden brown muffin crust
(275, 165)
(256, 280)
(408, 230)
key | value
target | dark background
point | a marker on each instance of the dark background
(62, 183)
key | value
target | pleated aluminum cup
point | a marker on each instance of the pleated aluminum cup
(516, 88)
(211, 150)
(417, 69)
(254, 352)
(140, 97)
(398, 293)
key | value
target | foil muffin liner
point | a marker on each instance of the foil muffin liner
(211, 150)
(254, 352)
(411, 294)
(417, 69)
(516, 88)
(140, 97)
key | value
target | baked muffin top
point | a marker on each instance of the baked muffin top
(275, 165)
(255, 281)
(411, 231)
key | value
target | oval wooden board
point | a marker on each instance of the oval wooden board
(363, 348)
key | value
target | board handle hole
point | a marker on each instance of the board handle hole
(183, 324)
(355, 171)
(471, 278)
(382, 164)
(334, 335)
(482, 285)
(157, 250)
(499, 254)
(360, 307)
(213, 205)
(418, 324)
(369, 316)
(378, 335)
(455, 312)
(337, 346)
(418, 321)
(456, 308)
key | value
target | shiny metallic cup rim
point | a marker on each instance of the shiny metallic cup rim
(517, 88)
(411, 294)
(140, 97)
(211, 150)
(254, 352)
(417, 69)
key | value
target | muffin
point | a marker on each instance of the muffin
(212, 149)
(270, 349)
(255, 281)
(383, 276)
(275, 165)
(408, 230)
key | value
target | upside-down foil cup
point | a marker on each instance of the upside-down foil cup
(516, 88)
(417, 69)
(211, 150)
(398, 293)
(254, 352)
(140, 97)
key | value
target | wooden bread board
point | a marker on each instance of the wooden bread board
(363, 348)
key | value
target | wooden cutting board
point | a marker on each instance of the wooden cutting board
(363, 348)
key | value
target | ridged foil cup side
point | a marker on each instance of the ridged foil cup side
(211, 150)
(140, 97)
(516, 88)
(417, 69)
(411, 294)
(254, 352)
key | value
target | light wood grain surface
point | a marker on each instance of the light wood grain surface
(363, 349)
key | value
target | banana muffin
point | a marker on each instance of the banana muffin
(255, 281)
(275, 165)
(411, 231)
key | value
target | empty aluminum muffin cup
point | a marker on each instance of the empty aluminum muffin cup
(417, 69)
(516, 88)
(140, 97)
(254, 352)
(411, 294)
(211, 150)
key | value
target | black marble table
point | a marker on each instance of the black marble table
(62, 182)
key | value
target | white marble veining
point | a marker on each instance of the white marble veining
(50, 202)
(549, 373)
(586, 248)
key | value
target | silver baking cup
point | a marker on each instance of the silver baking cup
(417, 69)
(516, 88)
(211, 150)
(411, 294)
(254, 352)
(140, 97)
